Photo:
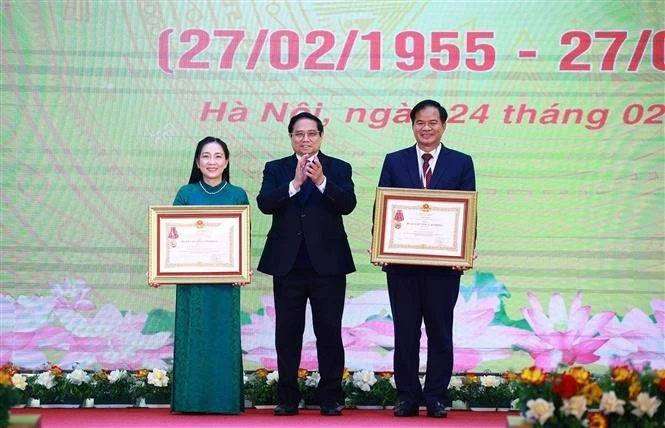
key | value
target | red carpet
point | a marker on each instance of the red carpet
(162, 418)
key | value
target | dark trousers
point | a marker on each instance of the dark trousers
(326, 297)
(413, 298)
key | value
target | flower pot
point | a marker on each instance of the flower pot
(459, 405)
(88, 403)
(33, 402)
(140, 402)
(265, 406)
(517, 422)
(369, 407)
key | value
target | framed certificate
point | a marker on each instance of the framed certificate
(424, 227)
(205, 244)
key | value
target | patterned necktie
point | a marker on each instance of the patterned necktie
(427, 171)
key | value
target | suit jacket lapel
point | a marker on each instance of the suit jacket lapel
(440, 167)
(412, 167)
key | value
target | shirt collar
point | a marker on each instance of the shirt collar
(434, 153)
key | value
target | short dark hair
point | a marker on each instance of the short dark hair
(196, 174)
(443, 114)
(305, 115)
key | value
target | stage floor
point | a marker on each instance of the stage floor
(163, 418)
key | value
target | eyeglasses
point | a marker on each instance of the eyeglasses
(301, 134)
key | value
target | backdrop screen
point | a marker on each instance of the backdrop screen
(560, 104)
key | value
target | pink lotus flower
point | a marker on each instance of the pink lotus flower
(475, 339)
(71, 295)
(113, 340)
(26, 331)
(636, 339)
(563, 336)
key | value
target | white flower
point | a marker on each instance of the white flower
(422, 381)
(540, 410)
(490, 381)
(456, 382)
(78, 377)
(392, 382)
(313, 379)
(245, 379)
(364, 379)
(610, 403)
(644, 404)
(158, 378)
(19, 381)
(575, 406)
(46, 379)
(272, 377)
(117, 375)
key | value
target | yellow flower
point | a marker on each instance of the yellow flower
(101, 375)
(597, 420)
(582, 376)
(660, 374)
(10, 369)
(261, 372)
(634, 389)
(509, 376)
(5, 378)
(142, 374)
(302, 373)
(346, 374)
(533, 375)
(57, 371)
(470, 378)
(593, 393)
(386, 375)
(621, 374)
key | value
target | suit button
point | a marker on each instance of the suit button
(299, 233)
(302, 215)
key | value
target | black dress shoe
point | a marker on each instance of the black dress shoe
(332, 410)
(286, 410)
(404, 408)
(437, 410)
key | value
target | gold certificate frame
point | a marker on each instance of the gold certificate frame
(424, 227)
(207, 244)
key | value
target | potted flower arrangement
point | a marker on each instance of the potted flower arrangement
(365, 390)
(112, 387)
(261, 388)
(572, 397)
(48, 387)
(150, 386)
(385, 389)
(307, 383)
(456, 394)
(12, 386)
(487, 391)
(79, 386)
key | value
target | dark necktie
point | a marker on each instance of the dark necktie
(427, 171)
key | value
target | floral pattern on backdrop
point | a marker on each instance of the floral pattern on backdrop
(67, 329)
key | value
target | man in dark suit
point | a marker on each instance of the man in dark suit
(426, 293)
(307, 253)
